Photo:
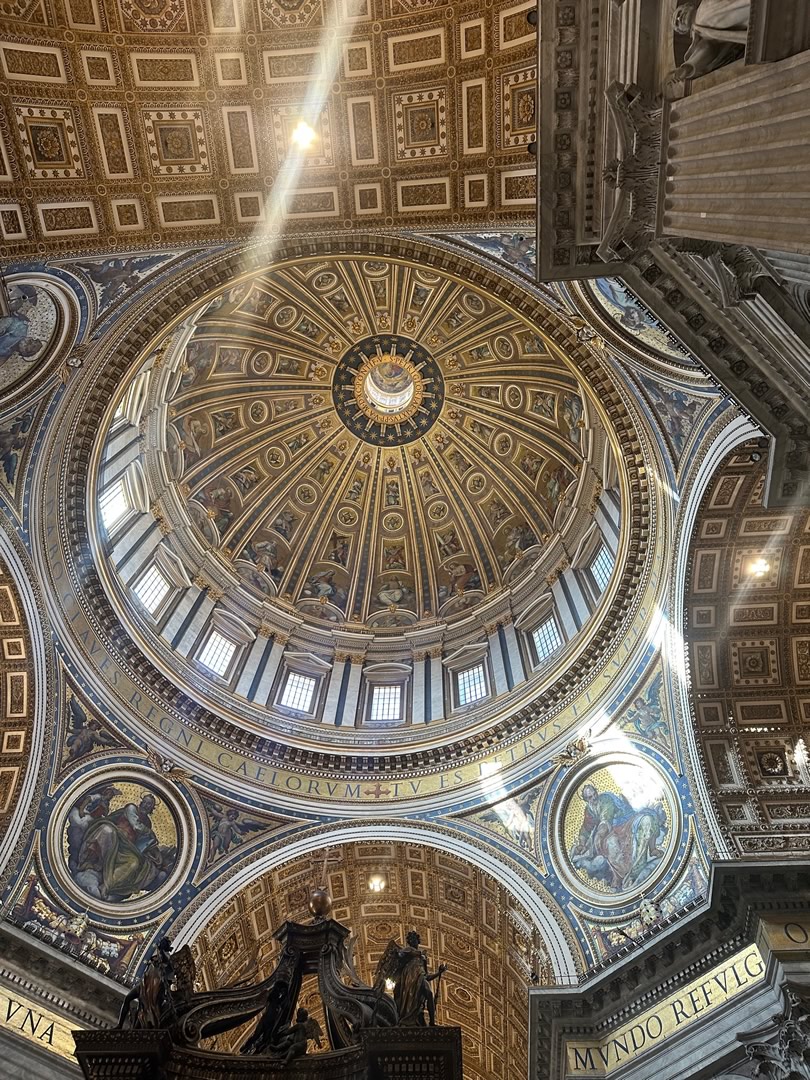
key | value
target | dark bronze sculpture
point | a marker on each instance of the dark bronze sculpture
(163, 1018)
(294, 1038)
(407, 968)
(149, 1003)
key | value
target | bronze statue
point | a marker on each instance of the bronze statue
(294, 1038)
(407, 967)
(167, 983)
(149, 1003)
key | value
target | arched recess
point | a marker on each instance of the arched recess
(26, 662)
(465, 916)
(746, 618)
(732, 435)
(563, 961)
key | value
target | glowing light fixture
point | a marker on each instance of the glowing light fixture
(303, 136)
(377, 883)
(759, 567)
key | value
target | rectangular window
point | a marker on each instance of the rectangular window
(472, 685)
(113, 503)
(298, 692)
(151, 588)
(386, 703)
(217, 653)
(602, 568)
(546, 638)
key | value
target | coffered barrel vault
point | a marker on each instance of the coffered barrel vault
(140, 123)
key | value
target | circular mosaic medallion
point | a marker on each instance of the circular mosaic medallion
(388, 390)
(120, 840)
(618, 828)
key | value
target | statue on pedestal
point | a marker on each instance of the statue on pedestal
(719, 31)
(407, 968)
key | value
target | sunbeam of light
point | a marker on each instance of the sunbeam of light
(514, 819)
(303, 138)
(640, 786)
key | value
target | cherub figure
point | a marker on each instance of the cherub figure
(294, 1038)
(86, 733)
(227, 830)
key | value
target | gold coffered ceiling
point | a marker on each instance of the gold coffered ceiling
(748, 617)
(166, 121)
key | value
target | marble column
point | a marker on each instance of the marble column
(268, 675)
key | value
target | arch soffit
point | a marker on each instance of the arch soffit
(564, 955)
(18, 829)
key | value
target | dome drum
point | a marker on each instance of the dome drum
(170, 583)
(399, 489)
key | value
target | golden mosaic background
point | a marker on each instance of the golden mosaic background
(131, 123)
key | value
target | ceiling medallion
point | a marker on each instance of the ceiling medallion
(388, 390)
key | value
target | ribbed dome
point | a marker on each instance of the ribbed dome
(372, 442)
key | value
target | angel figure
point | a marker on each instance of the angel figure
(294, 1038)
(86, 733)
(227, 830)
(408, 969)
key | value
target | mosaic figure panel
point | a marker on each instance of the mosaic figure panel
(616, 828)
(647, 717)
(231, 828)
(517, 250)
(632, 317)
(120, 841)
(675, 410)
(85, 733)
(15, 436)
(113, 279)
(26, 332)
